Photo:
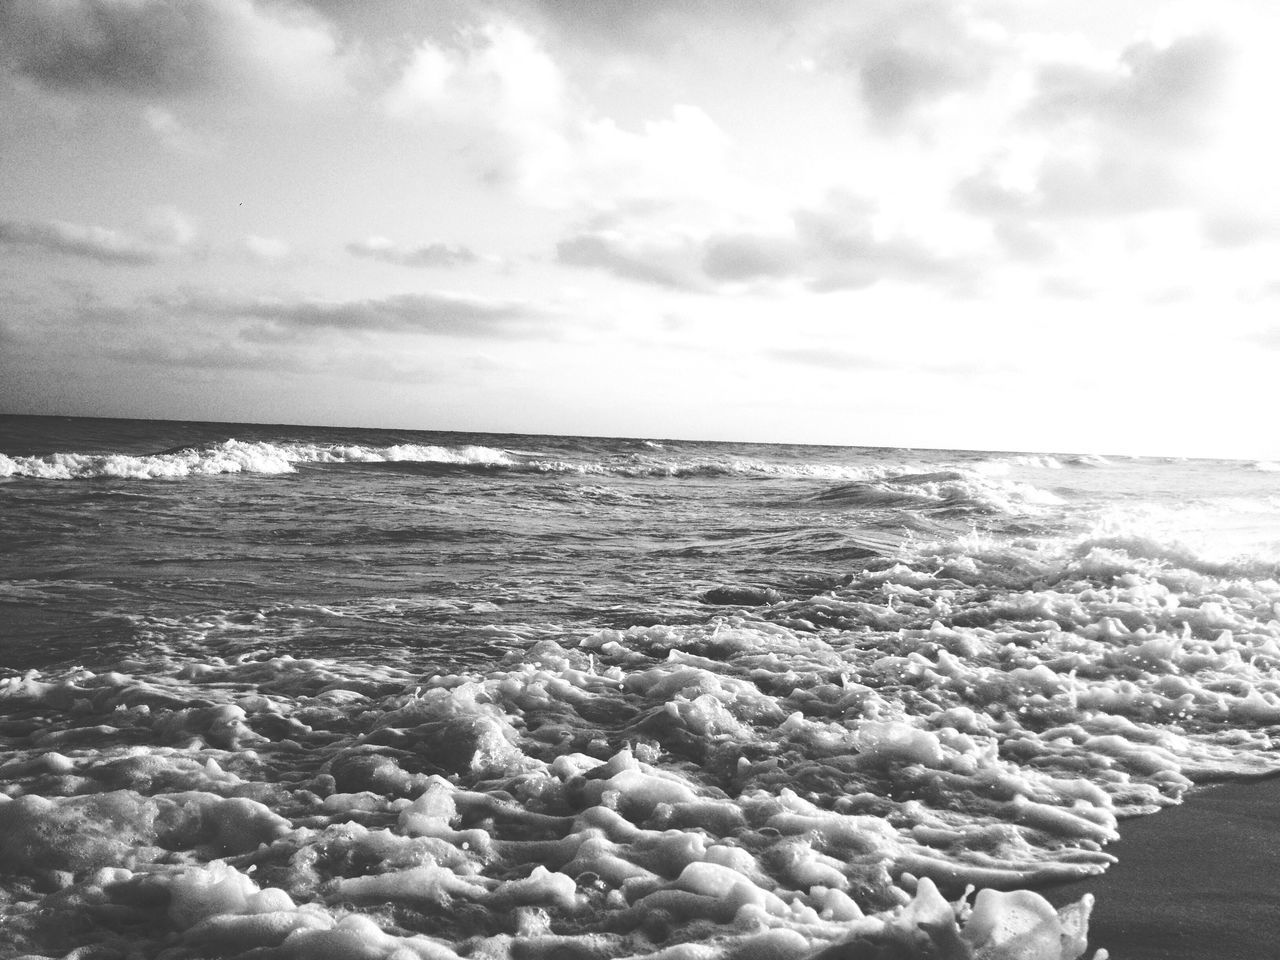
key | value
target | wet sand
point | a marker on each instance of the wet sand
(1201, 880)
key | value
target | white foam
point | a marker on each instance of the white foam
(1002, 465)
(981, 711)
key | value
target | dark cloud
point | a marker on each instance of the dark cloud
(906, 54)
(1233, 229)
(1123, 139)
(435, 314)
(418, 313)
(1118, 182)
(831, 247)
(1166, 93)
(431, 255)
(158, 48)
(1023, 241)
(895, 79)
(1112, 182)
(77, 240)
(215, 334)
(841, 228)
(654, 25)
(750, 257)
(843, 250)
(211, 357)
(664, 266)
(138, 47)
(984, 193)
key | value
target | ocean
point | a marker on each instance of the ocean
(294, 692)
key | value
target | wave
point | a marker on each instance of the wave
(263, 457)
(946, 491)
(1041, 461)
(235, 456)
(728, 467)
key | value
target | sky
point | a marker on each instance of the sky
(1004, 224)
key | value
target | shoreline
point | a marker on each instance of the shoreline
(1197, 880)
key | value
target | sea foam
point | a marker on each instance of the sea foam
(597, 699)
(829, 775)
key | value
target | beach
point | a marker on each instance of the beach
(620, 480)
(1197, 880)
(276, 692)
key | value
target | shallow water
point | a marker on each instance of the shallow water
(289, 691)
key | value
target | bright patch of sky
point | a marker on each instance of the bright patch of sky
(999, 225)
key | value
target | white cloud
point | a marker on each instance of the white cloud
(171, 131)
(265, 248)
(169, 227)
(503, 96)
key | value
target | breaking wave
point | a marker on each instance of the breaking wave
(234, 456)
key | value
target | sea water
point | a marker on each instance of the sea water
(294, 692)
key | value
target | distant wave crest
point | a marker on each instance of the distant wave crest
(980, 486)
(235, 456)
(261, 457)
(950, 491)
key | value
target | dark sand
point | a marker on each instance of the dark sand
(1201, 880)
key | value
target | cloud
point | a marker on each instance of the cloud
(750, 257)
(655, 25)
(1231, 229)
(1067, 288)
(831, 246)
(172, 132)
(498, 98)
(267, 249)
(157, 49)
(1270, 337)
(1104, 143)
(1162, 92)
(430, 314)
(498, 84)
(668, 264)
(169, 235)
(431, 255)
(1106, 183)
(828, 359)
(907, 54)
(215, 332)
